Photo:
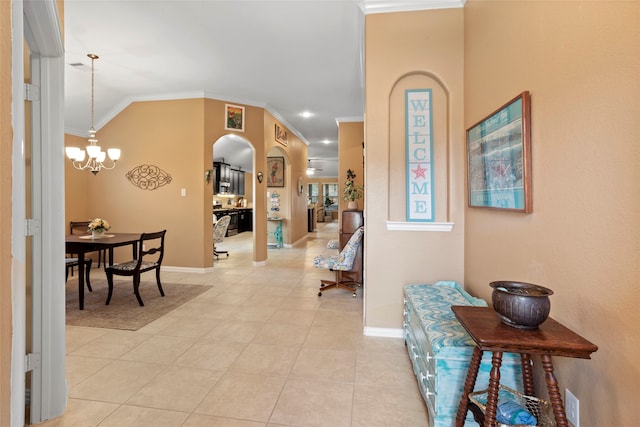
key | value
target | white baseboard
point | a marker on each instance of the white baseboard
(383, 332)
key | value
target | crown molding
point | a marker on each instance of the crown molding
(388, 6)
(182, 95)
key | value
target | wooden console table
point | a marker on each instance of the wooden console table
(490, 334)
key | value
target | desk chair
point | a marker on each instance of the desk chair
(148, 246)
(219, 231)
(343, 262)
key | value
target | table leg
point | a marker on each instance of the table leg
(554, 392)
(494, 387)
(527, 375)
(81, 273)
(469, 383)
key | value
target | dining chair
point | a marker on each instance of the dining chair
(341, 263)
(150, 251)
(73, 262)
(219, 231)
(82, 227)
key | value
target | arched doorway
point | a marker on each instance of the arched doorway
(237, 155)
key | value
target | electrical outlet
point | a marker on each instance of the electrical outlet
(572, 406)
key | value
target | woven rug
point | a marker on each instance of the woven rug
(123, 312)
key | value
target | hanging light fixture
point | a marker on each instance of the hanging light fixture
(95, 162)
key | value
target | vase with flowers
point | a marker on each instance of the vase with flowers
(98, 227)
(352, 192)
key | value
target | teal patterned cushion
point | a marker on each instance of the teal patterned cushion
(344, 260)
(432, 303)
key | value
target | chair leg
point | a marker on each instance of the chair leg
(87, 270)
(136, 289)
(338, 283)
(158, 280)
(110, 283)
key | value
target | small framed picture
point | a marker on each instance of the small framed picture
(275, 171)
(281, 135)
(234, 117)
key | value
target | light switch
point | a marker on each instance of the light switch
(183, 192)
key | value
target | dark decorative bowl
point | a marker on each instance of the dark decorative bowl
(521, 305)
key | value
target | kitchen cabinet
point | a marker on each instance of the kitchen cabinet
(245, 220)
(227, 179)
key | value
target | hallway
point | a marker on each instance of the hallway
(259, 348)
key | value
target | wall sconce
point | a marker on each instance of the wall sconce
(260, 176)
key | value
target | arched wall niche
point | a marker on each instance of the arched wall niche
(441, 122)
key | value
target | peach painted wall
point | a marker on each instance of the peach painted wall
(398, 45)
(165, 134)
(581, 62)
(254, 134)
(350, 156)
(178, 137)
(295, 153)
(6, 138)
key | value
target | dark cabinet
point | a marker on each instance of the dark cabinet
(240, 183)
(237, 182)
(245, 220)
(222, 175)
(227, 180)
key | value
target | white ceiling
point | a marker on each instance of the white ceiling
(287, 56)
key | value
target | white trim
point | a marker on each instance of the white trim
(388, 6)
(383, 332)
(419, 226)
(18, 244)
(187, 269)
(259, 263)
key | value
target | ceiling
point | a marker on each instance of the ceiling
(285, 56)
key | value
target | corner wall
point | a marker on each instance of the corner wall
(580, 60)
(397, 45)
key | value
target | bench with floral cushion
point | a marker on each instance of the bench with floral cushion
(440, 349)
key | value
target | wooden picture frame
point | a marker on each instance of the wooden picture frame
(275, 171)
(280, 135)
(234, 117)
(499, 158)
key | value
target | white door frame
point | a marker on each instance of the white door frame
(37, 23)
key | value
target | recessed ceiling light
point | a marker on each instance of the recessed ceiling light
(326, 141)
(306, 114)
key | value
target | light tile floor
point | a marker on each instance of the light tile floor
(259, 348)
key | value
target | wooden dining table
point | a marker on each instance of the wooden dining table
(81, 244)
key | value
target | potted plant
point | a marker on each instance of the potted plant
(98, 227)
(352, 192)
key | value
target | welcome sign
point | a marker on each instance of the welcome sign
(419, 155)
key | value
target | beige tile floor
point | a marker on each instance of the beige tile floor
(259, 348)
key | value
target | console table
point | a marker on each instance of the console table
(490, 334)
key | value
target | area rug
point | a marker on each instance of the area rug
(123, 312)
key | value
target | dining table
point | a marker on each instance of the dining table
(81, 244)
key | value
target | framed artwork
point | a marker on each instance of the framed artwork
(499, 158)
(281, 135)
(275, 171)
(234, 117)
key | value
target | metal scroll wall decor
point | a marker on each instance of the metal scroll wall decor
(148, 177)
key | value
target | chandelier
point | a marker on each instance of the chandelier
(96, 157)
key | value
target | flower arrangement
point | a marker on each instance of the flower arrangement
(99, 225)
(351, 191)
